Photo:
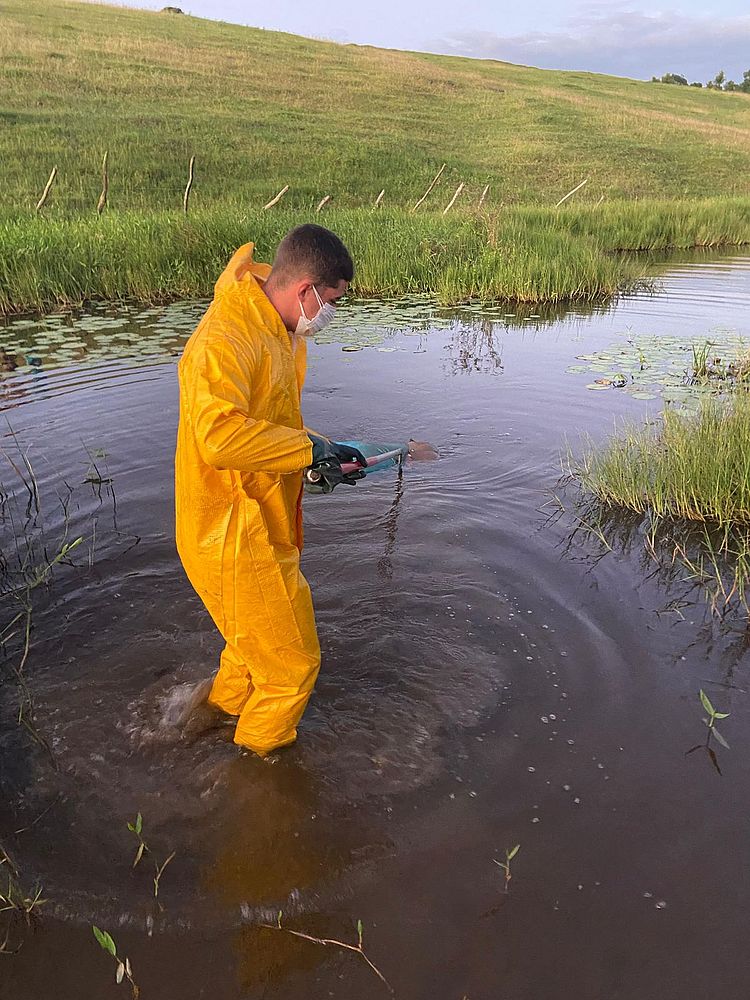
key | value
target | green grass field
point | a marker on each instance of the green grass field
(261, 109)
(666, 166)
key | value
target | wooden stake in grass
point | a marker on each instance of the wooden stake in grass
(277, 199)
(435, 179)
(451, 203)
(102, 203)
(189, 188)
(47, 188)
(323, 202)
(379, 198)
(357, 948)
(484, 195)
(576, 188)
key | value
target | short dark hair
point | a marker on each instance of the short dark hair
(314, 252)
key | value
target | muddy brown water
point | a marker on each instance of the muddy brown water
(486, 682)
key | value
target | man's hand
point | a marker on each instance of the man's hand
(327, 459)
(324, 449)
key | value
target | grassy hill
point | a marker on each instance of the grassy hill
(260, 109)
(667, 166)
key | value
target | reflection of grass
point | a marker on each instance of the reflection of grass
(522, 253)
(690, 470)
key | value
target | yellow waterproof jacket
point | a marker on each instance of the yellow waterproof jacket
(241, 449)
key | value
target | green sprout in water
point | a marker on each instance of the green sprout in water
(713, 715)
(713, 732)
(137, 828)
(505, 865)
(124, 970)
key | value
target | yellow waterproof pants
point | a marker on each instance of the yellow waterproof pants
(241, 448)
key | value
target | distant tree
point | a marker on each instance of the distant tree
(719, 82)
(670, 78)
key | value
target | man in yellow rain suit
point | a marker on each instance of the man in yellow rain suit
(241, 449)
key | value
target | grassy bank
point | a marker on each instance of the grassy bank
(261, 109)
(694, 468)
(689, 477)
(523, 254)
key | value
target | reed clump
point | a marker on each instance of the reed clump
(523, 254)
(688, 477)
(693, 467)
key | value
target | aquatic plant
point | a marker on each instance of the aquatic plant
(506, 866)
(695, 467)
(680, 369)
(357, 948)
(713, 732)
(159, 871)
(713, 715)
(26, 564)
(688, 475)
(15, 901)
(136, 827)
(124, 969)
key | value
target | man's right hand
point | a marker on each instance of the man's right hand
(327, 458)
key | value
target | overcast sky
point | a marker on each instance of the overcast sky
(605, 36)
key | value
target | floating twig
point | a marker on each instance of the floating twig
(379, 198)
(323, 202)
(159, 872)
(484, 195)
(357, 948)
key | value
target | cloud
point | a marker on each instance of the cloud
(610, 38)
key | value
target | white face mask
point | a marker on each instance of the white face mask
(321, 319)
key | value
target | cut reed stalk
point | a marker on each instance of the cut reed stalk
(433, 182)
(189, 187)
(47, 188)
(102, 203)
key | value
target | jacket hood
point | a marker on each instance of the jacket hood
(239, 267)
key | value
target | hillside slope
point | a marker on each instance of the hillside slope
(261, 109)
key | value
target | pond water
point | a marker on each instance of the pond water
(489, 679)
